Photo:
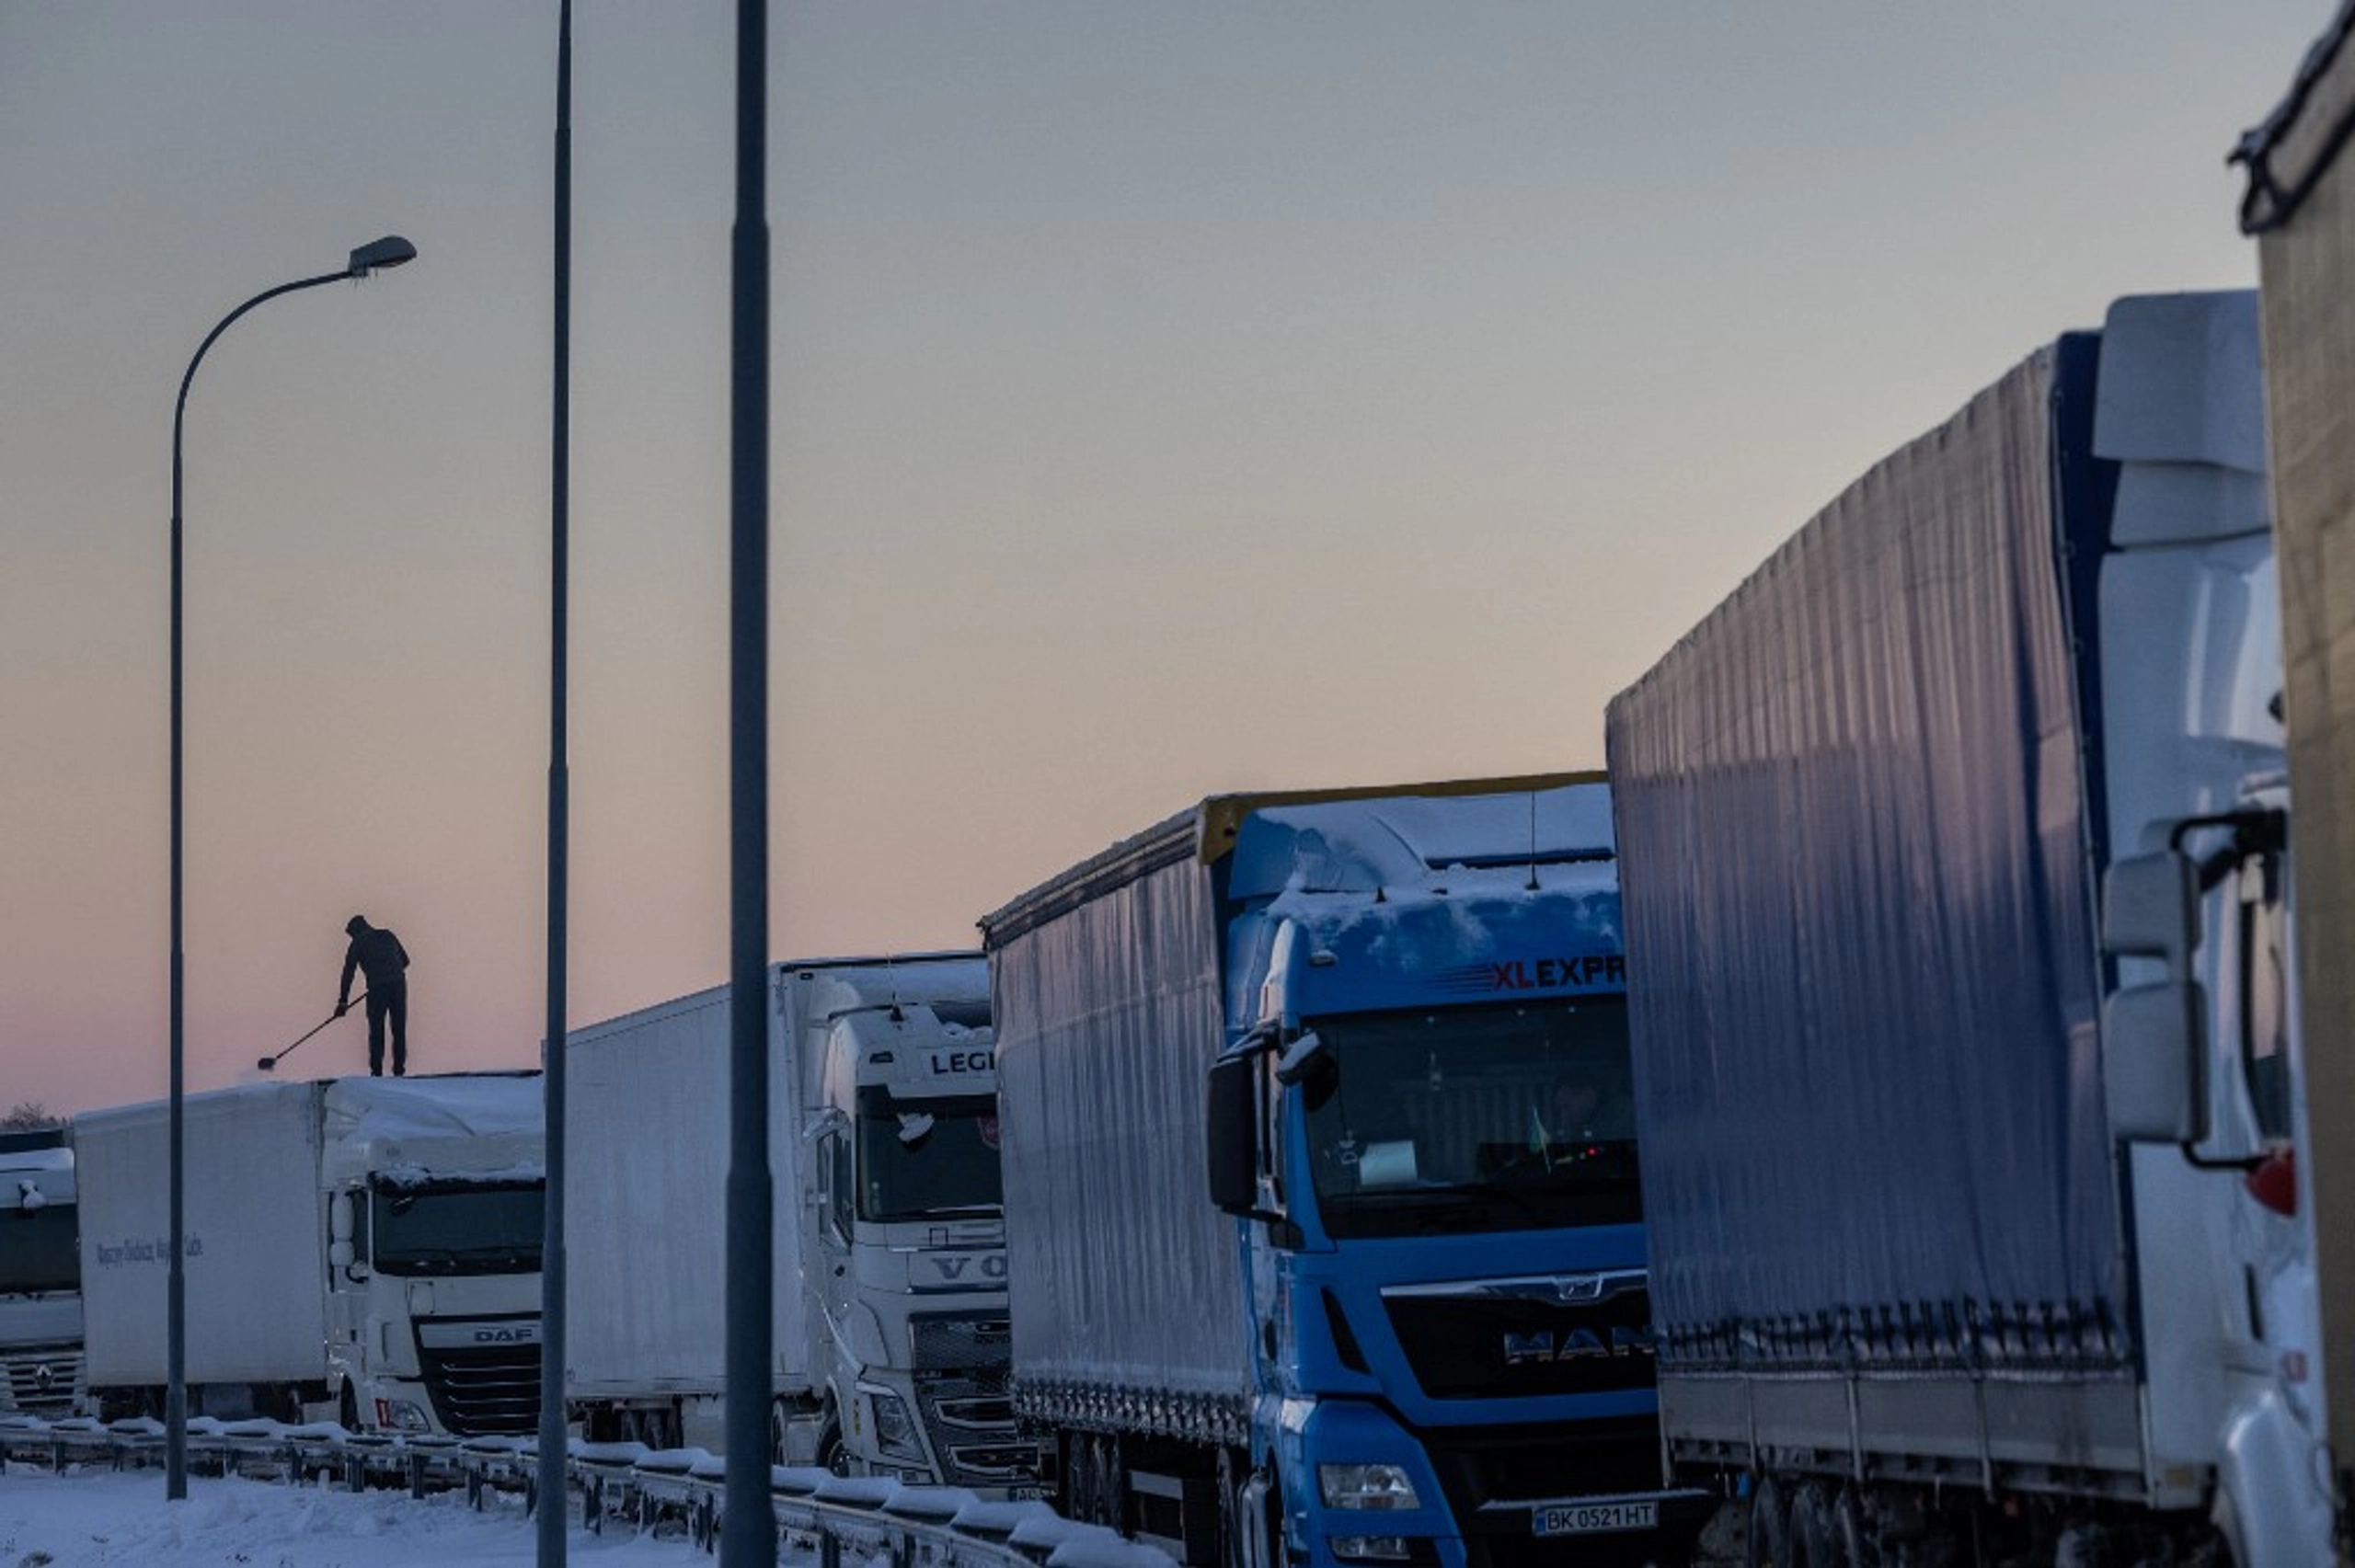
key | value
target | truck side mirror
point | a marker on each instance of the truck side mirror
(1234, 1154)
(2152, 1051)
(2150, 908)
(1302, 1060)
(2152, 1044)
(343, 1230)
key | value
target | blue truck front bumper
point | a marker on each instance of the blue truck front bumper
(1475, 1497)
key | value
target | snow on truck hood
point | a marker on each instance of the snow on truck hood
(489, 1127)
(842, 986)
(35, 1178)
(1398, 842)
(919, 1055)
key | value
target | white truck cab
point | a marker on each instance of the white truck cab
(887, 1292)
(434, 1189)
(41, 1277)
(905, 1248)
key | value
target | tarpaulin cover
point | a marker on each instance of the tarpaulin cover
(1854, 831)
(1105, 990)
(2305, 260)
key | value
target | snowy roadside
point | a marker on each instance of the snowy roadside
(101, 1519)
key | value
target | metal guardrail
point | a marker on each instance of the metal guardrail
(611, 1485)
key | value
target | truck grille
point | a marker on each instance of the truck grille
(1519, 1338)
(960, 1339)
(970, 1420)
(486, 1390)
(42, 1381)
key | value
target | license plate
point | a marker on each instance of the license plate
(1596, 1518)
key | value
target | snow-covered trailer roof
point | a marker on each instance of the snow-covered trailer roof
(1374, 836)
(477, 1125)
(35, 1178)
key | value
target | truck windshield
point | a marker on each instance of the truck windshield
(458, 1229)
(39, 1250)
(920, 1159)
(1510, 1118)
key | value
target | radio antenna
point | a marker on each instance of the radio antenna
(1532, 841)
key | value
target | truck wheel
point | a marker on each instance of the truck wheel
(347, 1409)
(832, 1453)
(1815, 1537)
(1091, 1483)
(1854, 1541)
(1078, 1500)
(1116, 1486)
(777, 1426)
(1767, 1541)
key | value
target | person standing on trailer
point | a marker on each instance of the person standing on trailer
(378, 954)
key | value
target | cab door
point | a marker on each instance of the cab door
(348, 1270)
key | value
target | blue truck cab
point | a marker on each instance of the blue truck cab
(1422, 1122)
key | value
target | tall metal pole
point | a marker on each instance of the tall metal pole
(554, 1506)
(174, 1273)
(748, 1538)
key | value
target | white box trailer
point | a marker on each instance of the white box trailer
(367, 1248)
(645, 1210)
(256, 1223)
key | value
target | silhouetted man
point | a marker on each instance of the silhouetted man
(378, 954)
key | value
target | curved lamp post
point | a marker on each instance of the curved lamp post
(373, 257)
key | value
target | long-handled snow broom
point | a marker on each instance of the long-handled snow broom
(267, 1063)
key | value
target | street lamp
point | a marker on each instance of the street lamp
(375, 257)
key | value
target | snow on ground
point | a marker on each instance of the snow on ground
(102, 1519)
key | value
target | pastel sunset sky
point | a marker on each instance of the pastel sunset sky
(1169, 399)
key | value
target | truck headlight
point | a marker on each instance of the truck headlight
(401, 1415)
(1366, 1486)
(895, 1429)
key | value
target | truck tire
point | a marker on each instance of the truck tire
(1079, 1477)
(1854, 1536)
(1116, 1486)
(347, 1409)
(1766, 1543)
(832, 1453)
(1816, 1540)
(778, 1425)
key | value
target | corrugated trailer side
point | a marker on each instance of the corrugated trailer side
(646, 1211)
(645, 1219)
(1125, 1282)
(1857, 819)
(256, 1238)
(2300, 203)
